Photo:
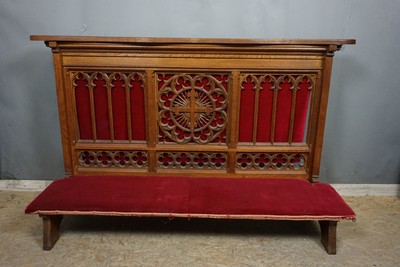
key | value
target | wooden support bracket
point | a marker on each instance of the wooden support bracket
(51, 230)
(328, 235)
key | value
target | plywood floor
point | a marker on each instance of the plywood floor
(374, 240)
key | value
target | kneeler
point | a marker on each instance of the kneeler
(194, 128)
(224, 198)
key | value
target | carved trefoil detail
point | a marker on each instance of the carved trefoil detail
(192, 160)
(118, 159)
(271, 161)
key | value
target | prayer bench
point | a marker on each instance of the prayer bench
(194, 128)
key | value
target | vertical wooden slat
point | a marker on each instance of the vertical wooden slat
(92, 110)
(151, 108)
(151, 97)
(234, 107)
(233, 122)
(231, 168)
(274, 107)
(310, 128)
(74, 131)
(75, 125)
(320, 117)
(311, 124)
(109, 106)
(255, 112)
(292, 112)
(62, 111)
(128, 106)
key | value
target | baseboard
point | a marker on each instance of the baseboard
(343, 189)
(24, 185)
(392, 190)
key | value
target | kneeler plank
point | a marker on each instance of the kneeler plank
(223, 198)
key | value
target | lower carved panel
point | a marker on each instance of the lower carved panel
(271, 161)
(192, 160)
(118, 159)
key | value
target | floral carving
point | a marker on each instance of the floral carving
(120, 159)
(192, 108)
(186, 160)
(273, 161)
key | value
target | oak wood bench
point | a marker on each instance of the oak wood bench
(202, 128)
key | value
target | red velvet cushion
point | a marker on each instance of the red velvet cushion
(191, 196)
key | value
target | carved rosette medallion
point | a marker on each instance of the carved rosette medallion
(192, 108)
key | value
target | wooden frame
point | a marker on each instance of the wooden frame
(150, 56)
(221, 153)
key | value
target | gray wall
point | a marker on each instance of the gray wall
(362, 134)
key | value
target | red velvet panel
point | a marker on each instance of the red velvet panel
(283, 108)
(239, 196)
(82, 99)
(265, 112)
(101, 108)
(246, 111)
(300, 118)
(265, 106)
(119, 109)
(137, 109)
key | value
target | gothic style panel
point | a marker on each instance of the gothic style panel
(192, 108)
(192, 160)
(110, 106)
(274, 107)
(198, 102)
(119, 159)
(270, 161)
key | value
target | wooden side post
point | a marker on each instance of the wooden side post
(51, 230)
(328, 235)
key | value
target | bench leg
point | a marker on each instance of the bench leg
(51, 230)
(328, 235)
